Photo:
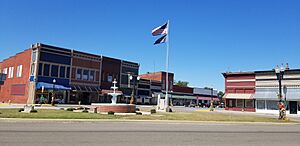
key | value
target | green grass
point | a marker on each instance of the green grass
(191, 116)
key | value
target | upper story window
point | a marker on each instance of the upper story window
(46, 69)
(54, 70)
(40, 69)
(68, 72)
(109, 78)
(4, 71)
(10, 72)
(92, 75)
(62, 71)
(34, 56)
(19, 71)
(78, 74)
(85, 75)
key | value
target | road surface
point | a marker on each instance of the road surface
(45, 132)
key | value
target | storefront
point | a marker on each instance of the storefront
(267, 100)
(239, 102)
(45, 91)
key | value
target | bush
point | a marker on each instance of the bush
(137, 109)
(21, 109)
(80, 108)
(62, 109)
(85, 111)
(70, 109)
(33, 111)
(152, 111)
(138, 113)
(111, 112)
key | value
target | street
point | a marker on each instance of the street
(63, 132)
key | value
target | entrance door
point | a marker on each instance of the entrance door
(293, 107)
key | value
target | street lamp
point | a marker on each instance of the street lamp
(133, 89)
(211, 101)
(53, 94)
(279, 73)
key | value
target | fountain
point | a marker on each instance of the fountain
(114, 106)
(114, 94)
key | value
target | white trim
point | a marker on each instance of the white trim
(243, 80)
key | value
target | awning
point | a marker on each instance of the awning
(39, 85)
(238, 96)
(208, 98)
(183, 97)
(145, 96)
(110, 91)
(85, 88)
(272, 94)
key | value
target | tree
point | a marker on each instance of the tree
(182, 83)
(220, 94)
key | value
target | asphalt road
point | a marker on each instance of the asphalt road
(36, 133)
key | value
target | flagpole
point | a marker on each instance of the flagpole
(167, 74)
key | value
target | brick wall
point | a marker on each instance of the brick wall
(15, 89)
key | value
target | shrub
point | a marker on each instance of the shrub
(33, 111)
(137, 109)
(138, 113)
(85, 111)
(21, 109)
(70, 109)
(80, 108)
(152, 111)
(111, 112)
(62, 109)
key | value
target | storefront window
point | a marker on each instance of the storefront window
(240, 103)
(261, 104)
(272, 105)
(231, 103)
(40, 69)
(249, 103)
(68, 72)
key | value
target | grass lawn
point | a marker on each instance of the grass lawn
(190, 116)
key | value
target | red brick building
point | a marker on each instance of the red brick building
(17, 69)
(161, 77)
(239, 91)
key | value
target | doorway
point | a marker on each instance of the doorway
(293, 107)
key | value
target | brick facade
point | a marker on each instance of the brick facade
(15, 89)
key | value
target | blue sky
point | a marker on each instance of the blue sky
(206, 37)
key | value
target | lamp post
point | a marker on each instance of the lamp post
(279, 73)
(53, 94)
(133, 89)
(130, 77)
(211, 100)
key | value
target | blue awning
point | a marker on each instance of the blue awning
(39, 85)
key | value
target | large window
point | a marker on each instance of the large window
(240, 103)
(231, 103)
(46, 69)
(249, 103)
(62, 71)
(54, 70)
(92, 75)
(78, 74)
(4, 71)
(19, 71)
(85, 75)
(40, 69)
(272, 105)
(261, 104)
(68, 72)
(109, 78)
